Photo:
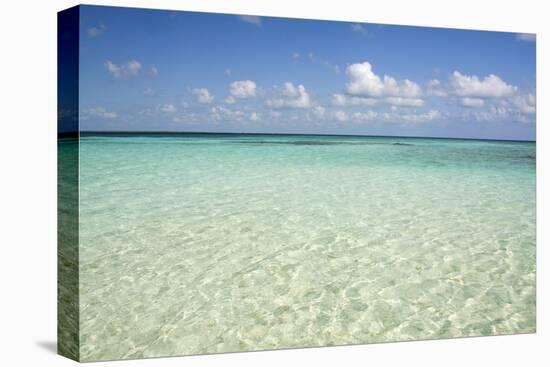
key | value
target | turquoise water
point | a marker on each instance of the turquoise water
(214, 243)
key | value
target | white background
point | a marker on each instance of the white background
(28, 181)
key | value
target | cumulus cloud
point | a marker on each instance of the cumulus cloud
(319, 111)
(243, 89)
(428, 116)
(490, 96)
(100, 112)
(339, 99)
(435, 88)
(400, 101)
(472, 102)
(491, 86)
(185, 118)
(96, 31)
(252, 19)
(230, 100)
(131, 69)
(227, 71)
(203, 95)
(365, 116)
(167, 108)
(254, 117)
(148, 91)
(346, 100)
(221, 113)
(394, 117)
(493, 113)
(525, 103)
(518, 108)
(362, 81)
(290, 96)
(340, 115)
(527, 37)
(153, 71)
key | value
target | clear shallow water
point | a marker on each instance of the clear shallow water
(203, 244)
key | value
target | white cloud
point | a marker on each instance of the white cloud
(340, 116)
(394, 117)
(186, 118)
(254, 117)
(491, 96)
(243, 89)
(100, 112)
(400, 101)
(365, 116)
(364, 82)
(434, 88)
(421, 117)
(131, 69)
(311, 57)
(339, 99)
(345, 100)
(493, 113)
(227, 71)
(230, 100)
(525, 103)
(357, 27)
(252, 19)
(527, 37)
(290, 96)
(153, 71)
(148, 92)
(167, 108)
(203, 95)
(518, 108)
(319, 111)
(491, 86)
(472, 102)
(96, 31)
(295, 55)
(221, 113)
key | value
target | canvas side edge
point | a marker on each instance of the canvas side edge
(68, 323)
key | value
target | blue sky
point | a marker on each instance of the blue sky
(151, 70)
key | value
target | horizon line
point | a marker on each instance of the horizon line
(159, 132)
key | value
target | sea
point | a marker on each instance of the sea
(206, 243)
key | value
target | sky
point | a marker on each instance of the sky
(153, 70)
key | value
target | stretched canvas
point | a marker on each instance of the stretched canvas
(233, 183)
